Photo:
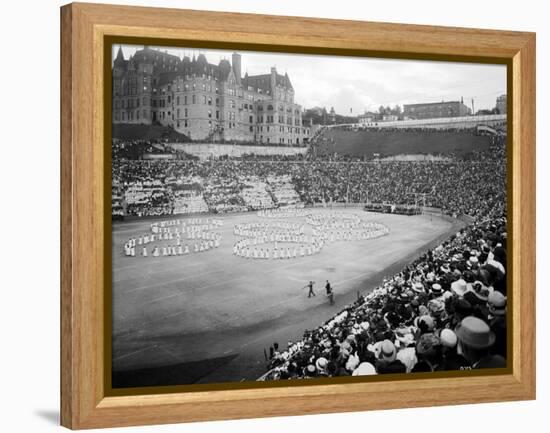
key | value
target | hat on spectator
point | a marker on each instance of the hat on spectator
(458, 287)
(418, 287)
(436, 307)
(365, 326)
(497, 303)
(422, 310)
(321, 363)
(352, 362)
(474, 332)
(427, 344)
(437, 289)
(425, 323)
(364, 369)
(481, 291)
(448, 338)
(408, 357)
(310, 369)
(387, 351)
(404, 297)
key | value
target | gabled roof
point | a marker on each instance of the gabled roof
(263, 81)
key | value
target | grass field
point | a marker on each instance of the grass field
(207, 317)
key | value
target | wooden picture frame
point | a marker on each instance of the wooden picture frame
(85, 400)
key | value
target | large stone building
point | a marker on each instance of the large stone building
(433, 110)
(206, 102)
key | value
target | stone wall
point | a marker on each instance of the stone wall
(206, 150)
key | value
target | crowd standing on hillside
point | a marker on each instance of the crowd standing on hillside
(457, 187)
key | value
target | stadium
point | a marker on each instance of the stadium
(213, 256)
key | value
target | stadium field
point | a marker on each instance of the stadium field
(207, 317)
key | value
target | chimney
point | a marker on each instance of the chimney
(273, 80)
(236, 60)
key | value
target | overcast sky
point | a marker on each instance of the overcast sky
(359, 84)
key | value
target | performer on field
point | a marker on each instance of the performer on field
(310, 286)
(330, 293)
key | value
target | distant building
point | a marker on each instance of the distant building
(206, 101)
(432, 110)
(366, 118)
(501, 104)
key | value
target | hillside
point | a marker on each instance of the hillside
(127, 131)
(384, 143)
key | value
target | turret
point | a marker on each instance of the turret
(236, 60)
(273, 80)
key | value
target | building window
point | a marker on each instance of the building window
(194, 99)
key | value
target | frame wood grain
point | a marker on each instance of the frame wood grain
(84, 403)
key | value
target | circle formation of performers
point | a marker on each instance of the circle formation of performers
(176, 237)
(333, 227)
(282, 212)
(276, 227)
(284, 240)
(276, 240)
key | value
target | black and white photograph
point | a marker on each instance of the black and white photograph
(281, 216)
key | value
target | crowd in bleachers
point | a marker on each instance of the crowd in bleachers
(445, 311)
(455, 186)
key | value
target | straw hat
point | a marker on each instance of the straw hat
(474, 332)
